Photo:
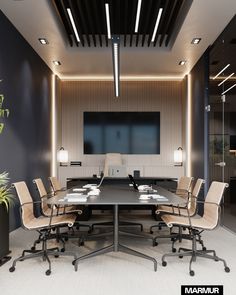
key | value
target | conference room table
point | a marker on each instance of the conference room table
(117, 195)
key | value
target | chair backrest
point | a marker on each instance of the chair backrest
(110, 160)
(194, 196)
(42, 193)
(214, 196)
(55, 184)
(27, 211)
(184, 186)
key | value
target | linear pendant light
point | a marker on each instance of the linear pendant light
(73, 24)
(221, 71)
(157, 24)
(116, 63)
(108, 20)
(225, 79)
(138, 16)
(228, 89)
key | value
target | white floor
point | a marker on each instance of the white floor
(118, 273)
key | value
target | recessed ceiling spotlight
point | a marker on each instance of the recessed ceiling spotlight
(43, 41)
(182, 62)
(196, 40)
(57, 62)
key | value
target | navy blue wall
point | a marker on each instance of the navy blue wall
(26, 86)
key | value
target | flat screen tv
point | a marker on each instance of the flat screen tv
(122, 132)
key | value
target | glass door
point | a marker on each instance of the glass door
(222, 122)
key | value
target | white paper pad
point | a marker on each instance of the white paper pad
(75, 197)
(152, 196)
(89, 185)
(79, 189)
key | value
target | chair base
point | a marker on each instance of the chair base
(194, 253)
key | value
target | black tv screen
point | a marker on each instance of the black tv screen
(122, 132)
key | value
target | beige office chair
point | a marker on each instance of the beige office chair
(55, 184)
(43, 225)
(111, 159)
(183, 190)
(208, 221)
(185, 209)
(46, 211)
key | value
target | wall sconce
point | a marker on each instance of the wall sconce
(63, 157)
(178, 157)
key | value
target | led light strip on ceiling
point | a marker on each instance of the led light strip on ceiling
(157, 24)
(108, 20)
(221, 71)
(115, 53)
(228, 89)
(73, 24)
(138, 16)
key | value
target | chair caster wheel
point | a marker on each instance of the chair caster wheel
(81, 243)
(62, 249)
(216, 259)
(11, 269)
(56, 256)
(173, 250)
(22, 259)
(48, 272)
(204, 248)
(192, 273)
(160, 227)
(172, 239)
(154, 244)
(164, 263)
(66, 239)
(38, 242)
(33, 248)
(227, 269)
(151, 232)
(90, 231)
(73, 262)
(181, 256)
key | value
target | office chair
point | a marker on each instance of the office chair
(208, 221)
(113, 159)
(185, 209)
(56, 187)
(43, 225)
(183, 190)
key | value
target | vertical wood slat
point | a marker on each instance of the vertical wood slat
(163, 96)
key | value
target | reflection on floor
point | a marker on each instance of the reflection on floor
(118, 273)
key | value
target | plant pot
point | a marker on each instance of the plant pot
(4, 234)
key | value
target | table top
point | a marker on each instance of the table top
(123, 178)
(118, 195)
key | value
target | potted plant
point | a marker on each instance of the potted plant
(6, 199)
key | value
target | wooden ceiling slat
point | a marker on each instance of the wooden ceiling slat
(144, 20)
(90, 20)
(125, 11)
(96, 12)
(132, 21)
(103, 20)
(83, 21)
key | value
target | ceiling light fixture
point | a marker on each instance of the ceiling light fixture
(73, 24)
(182, 62)
(196, 40)
(221, 71)
(138, 16)
(228, 89)
(57, 62)
(116, 63)
(108, 21)
(225, 79)
(157, 24)
(43, 41)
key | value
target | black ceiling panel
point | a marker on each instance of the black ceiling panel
(90, 21)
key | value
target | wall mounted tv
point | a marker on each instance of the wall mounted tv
(122, 132)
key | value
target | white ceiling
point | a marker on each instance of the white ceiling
(35, 18)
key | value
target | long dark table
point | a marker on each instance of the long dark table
(117, 195)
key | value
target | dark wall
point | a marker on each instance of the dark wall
(26, 86)
(199, 95)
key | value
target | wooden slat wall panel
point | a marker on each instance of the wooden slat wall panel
(163, 96)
